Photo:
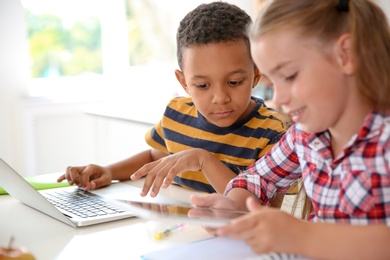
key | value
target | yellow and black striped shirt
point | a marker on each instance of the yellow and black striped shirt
(237, 146)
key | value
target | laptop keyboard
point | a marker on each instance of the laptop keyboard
(81, 203)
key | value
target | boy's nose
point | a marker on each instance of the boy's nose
(221, 97)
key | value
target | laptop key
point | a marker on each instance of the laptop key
(82, 203)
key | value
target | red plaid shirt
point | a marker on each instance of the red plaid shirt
(352, 188)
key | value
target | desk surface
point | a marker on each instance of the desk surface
(50, 239)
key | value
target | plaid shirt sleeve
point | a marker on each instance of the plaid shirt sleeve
(275, 172)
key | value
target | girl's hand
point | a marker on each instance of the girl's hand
(160, 173)
(89, 177)
(213, 201)
(265, 229)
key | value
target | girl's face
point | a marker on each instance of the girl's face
(219, 77)
(308, 82)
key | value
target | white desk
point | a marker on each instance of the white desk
(49, 239)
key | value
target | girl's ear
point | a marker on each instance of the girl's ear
(344, 53)
(257, 77)
(180, 77)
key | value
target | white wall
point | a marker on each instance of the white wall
(13, 78)
(385, 4)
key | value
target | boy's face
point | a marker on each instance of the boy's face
(219, 77)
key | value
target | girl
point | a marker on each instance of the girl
(329, 63)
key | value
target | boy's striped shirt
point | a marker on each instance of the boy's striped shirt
(237, 146)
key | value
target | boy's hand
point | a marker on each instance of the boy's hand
(89, 177)
(160, 173)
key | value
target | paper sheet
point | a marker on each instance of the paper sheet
(211, 249)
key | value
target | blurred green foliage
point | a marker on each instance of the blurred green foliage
(148, 33)
(57, 50)
(69, 48)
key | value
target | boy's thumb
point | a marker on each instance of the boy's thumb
(253, 204)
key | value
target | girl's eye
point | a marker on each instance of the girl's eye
(235, 82)
(292, 77)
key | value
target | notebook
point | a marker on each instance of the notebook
(107, 209)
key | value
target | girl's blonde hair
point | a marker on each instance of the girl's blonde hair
(327, 21)
(363, 19)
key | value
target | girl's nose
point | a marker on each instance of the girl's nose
(281, 95)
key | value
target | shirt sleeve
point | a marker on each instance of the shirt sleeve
(154, 137)
(273, 173)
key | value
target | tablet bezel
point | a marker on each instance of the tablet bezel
(144, 210)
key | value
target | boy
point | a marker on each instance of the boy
(220, 115)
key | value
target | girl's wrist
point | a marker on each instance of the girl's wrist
(305, 241)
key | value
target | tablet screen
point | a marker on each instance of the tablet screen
(208, 217)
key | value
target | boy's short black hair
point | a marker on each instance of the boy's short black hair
(212, 23)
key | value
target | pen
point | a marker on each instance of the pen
(167, 232)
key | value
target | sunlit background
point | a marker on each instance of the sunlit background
(81, 81)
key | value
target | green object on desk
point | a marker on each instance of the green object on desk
(40, 185)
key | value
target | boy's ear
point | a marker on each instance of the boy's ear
(257, 77)
(180, 77)
(344, 53)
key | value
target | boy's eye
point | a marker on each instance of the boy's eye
(235, 82)
(231, 83)
(202, 86)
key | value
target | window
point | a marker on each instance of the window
(64, 40)
(74, 44)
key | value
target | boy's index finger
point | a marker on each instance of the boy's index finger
(61, 178)
(144, 170)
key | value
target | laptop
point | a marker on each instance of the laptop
(91, 208)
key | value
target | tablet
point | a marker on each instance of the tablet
(207, 217)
